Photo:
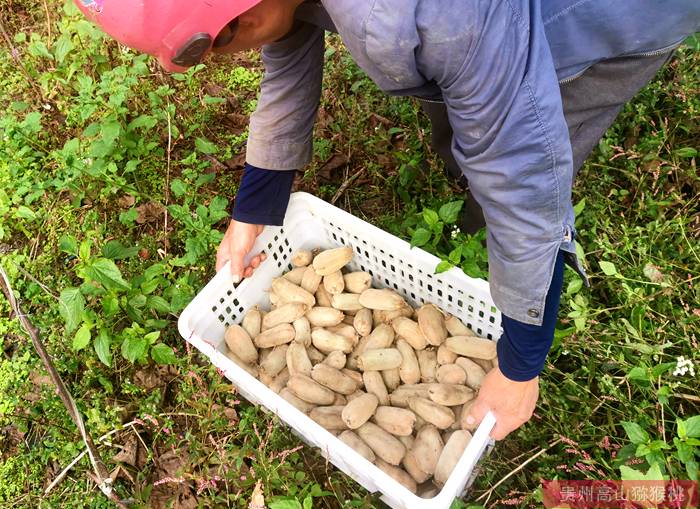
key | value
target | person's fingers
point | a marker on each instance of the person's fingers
(501, 430)
(263, 257)
(237, 268)
(248, 272)
(476, 413)
(221, 256)
(255, 262)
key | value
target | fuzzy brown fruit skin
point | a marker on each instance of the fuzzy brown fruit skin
(309, 390)
(374, 384)
(323, 298)
(354, 442)
(410, 463)
(383, 444)
(397, 474)
(475, 373)
(455, 327)
(357, 282)
(400, 396)
(450, 394)
(298, 361)
(380, 316)
(440, 416)
(295, 275)
(302, 258)
(324, 317)
(302, 331)
(381, 337)
(451, 453)
(427, 448)
(286, 313)
(409, 371)
(329, 417)
(334, 283)
(332, 260)
(379, 359)
(344, 330)
(334, 379)
(445, 355)
(355, 375)
(409, 330)
(327, 341)
(359, 410)
(427, 360)
(276, 361)
(397, 421)
(278, 335)
(363, 322)
(346, 302)
(470, 346)
(382, 300)
(252, 322)
(432, 324)
(310, 280)
(238, 341)
(451, 374)
(392, 378)
(280, 381)
(291, 398)
(289, 292)
(335, 359)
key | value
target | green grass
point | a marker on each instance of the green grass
(96, 144)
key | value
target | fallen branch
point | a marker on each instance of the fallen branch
(104, 481)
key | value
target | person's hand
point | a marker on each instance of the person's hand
(512, 403)
(237, 243)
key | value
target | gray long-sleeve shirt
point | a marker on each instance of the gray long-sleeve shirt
(496, 65)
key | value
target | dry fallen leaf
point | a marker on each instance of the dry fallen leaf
(257, 499)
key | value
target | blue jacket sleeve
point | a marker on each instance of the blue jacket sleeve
(523, 347)
(263, 196)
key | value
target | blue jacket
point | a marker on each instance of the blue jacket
(496, 65)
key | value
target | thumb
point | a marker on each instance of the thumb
(477, 411)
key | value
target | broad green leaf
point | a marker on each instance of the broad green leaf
(578, 208)
(608, 268)
(308, 502)
(205, 146)
(443, 266)
(134, 348)
(660, 369)
(638, 373)
(158, 304)
(455, 255)
(110, 305)
(68, 244)
(574, 286)
(81, 338)
(115, 250)
(449, 212)
(163, 354)
(102, 348)
(692, 426)
(687, 152)
(691, 468)
(84, 250)
(106, 273)
(62, 47)
(152, 336)
(71, 306)
(420, 237)
(635, 432)
(178, 187)
(24, 212)
(285, 504)
(430, 217)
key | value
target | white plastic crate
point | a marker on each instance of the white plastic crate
(310, 223)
